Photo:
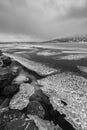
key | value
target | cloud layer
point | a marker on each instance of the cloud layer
(43, 19)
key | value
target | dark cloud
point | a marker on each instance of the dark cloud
(78, 13)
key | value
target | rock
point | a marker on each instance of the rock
(44, 124)
(40, 97)
(35, 108)
(9, 115)
(21, 78)
(5, 103)
(1, 63)
(21, 99)
(22, 124)
(15, 120)
(1, 99)
(82, 68)
(6, 77)
(0, 52)
(6, 61)
(10, 90)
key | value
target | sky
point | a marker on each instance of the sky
(36, 20)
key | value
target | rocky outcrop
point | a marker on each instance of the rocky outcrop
(15, 120)
(44, 103)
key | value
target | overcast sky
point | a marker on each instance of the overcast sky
(42, 19)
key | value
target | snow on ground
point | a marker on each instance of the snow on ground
(72, 57)
(48, 53)
(76, 52)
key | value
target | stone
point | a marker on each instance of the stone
(6, 61)
(44, 124)
(22, 124)
(5, 103)
(15, 120)
(1, 63)
(1, 99)
(21, 99)
(0, 52)
(35, 108)
(9, 115)
(21, 78)
(10, 90)
(40, 97)
(6, 77)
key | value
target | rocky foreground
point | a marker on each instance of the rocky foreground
(29, 101)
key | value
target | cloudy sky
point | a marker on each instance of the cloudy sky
(42, 19)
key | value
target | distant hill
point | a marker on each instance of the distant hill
(59, 40)
(70, 39)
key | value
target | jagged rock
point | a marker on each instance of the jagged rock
(10, 90)
(6, 61)
(1, 63)
(40, 97)
(44, 124)
(21, 99)
(22, 124)
(21, 78)
(0, 52)
(6, 77)
(35, 108)
(82, 68)
(1, 99)
(15, 120)
(5, 103)
(9, 115)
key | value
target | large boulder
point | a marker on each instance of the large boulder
(6, 61)
(67, 93)
(35, 108)
(21, 78)
(40, 97)
(6, 77)
(21, 99)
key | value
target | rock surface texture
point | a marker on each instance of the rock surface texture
(21, 99)
(68, 95)
(49, 100)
